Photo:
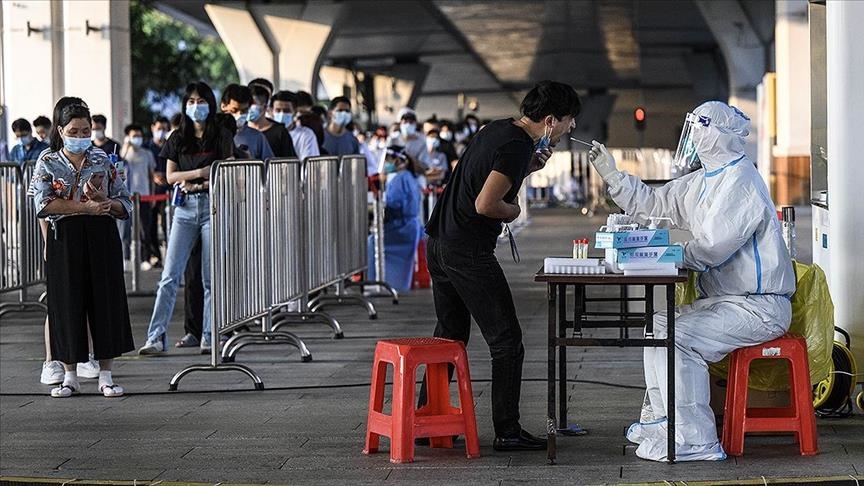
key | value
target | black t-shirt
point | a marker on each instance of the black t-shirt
(280, 140)
(500, 146)
(220, 148)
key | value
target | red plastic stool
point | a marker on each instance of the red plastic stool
(798, 417)
(438, 419)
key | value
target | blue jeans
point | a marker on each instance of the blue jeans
(189, 221)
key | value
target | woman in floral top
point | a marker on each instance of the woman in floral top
(77, 190)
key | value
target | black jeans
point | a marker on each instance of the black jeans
(469, 282)
(193, 322)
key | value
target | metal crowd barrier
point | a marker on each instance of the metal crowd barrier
(286, 185)
(351, 246)
(338, 227)
(21, 260)
(241, 265)
(375, 210)
(322, 202)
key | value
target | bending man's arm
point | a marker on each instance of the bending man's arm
(490, 201)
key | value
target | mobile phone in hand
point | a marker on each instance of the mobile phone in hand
(96, 180)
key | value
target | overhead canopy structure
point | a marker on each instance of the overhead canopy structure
(660, 53)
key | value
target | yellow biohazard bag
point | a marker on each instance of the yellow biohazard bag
(812, 317)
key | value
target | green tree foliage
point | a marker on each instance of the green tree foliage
(167, 55)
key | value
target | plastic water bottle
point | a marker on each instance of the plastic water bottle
(119, 166)
(787, 222)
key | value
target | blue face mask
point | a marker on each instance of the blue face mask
(283, 118)
(389, 167)
(198, 113)
(255, 113)
(76, 145)
(545, 141)
(342, 118)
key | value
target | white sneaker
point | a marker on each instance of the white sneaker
(52, 373)
(151, 348)
(146, 266)
(90, 369)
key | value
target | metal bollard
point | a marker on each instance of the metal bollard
(135, 244)
(378, 232)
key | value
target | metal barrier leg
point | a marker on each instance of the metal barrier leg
(259, 385)
(215, 366)
(390, 291)
(340, 298)
(20, 307)
(270, 338)
(284, 318)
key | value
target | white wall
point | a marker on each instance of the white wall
(28, 62)
(792, 44)
(63, 60)
(98, 66)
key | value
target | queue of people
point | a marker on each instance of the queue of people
(252, 121)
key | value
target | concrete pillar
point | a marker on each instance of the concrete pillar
(792, 147)
(243, 39)
(97, 59)
(281, 42)
(297, 34)
(745, 58)
(846, 168)
(32, 60)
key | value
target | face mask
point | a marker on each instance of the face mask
(382, 144)
(98, 134)
(198, 113)
(136, 141)
(76, 145)
(545, 140)
(159, 135)
(408, 129)
(472, 127)
(283, 118)
(240, 119)
(341, 118)
(389, 167)
(448, 135)
(255, 113)
(26, 140)
(432, 144)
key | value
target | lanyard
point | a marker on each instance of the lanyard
(514, 251)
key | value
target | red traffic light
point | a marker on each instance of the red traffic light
(639, 114)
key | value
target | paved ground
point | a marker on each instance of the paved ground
(307, 427)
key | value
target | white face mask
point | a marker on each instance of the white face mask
(240, 118)
(136, 141)
(98, 134)
(159, 135)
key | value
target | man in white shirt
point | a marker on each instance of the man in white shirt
(282, 107)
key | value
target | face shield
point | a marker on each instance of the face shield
(686, 159)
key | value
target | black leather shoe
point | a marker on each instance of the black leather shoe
(523, 442)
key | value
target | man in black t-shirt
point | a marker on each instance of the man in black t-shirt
(467, 280)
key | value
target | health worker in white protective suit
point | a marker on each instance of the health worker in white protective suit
(745, 273)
